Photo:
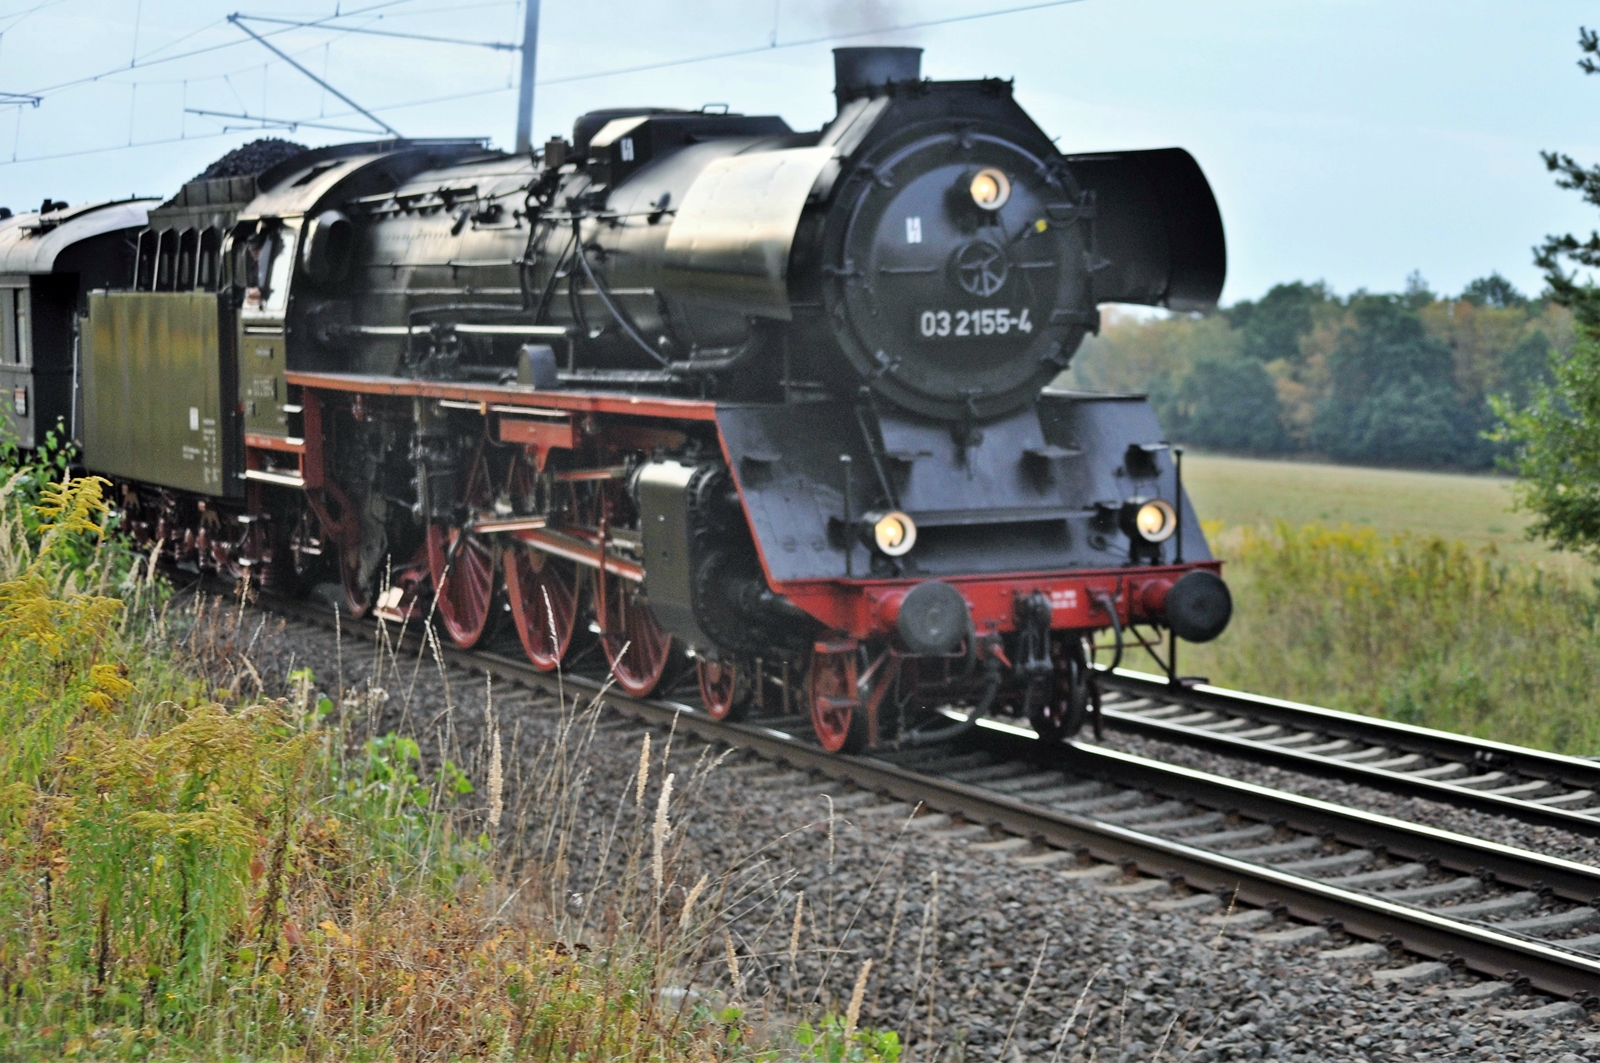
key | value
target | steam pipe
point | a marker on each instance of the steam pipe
(849, 521)
(605, 297)
(959, 728)
(1177, 532)
(1110, 607)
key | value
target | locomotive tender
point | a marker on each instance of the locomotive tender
(689, 386)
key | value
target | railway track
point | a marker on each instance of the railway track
(1528, 784)
(1304, 870)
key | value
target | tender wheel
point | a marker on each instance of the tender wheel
(726, 687)
(835, 703)
(543, 595)
(462, 566)
(283, 538)
(634, 641)
(1059, 710)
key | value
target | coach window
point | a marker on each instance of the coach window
(144, 276)
(15, 342)
(187, 260)
(209, 267)
(8, 326)
(167, 261)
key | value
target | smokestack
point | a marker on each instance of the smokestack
(859, 70)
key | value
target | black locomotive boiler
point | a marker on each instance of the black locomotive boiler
(689, 387)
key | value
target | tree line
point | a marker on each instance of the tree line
(1406, 378)
(1409, 378)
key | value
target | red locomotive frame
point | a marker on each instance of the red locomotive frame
(850, 669)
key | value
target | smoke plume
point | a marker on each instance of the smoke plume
(863, 16)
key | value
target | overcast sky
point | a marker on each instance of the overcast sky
(1348, 140)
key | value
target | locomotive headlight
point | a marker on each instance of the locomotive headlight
(894, 533)
(990, 189)
(1155, 521)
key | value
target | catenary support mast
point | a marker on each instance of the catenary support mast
(530, 55)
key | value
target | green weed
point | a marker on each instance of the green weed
(832, 1041)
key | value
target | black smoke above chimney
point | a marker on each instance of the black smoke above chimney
(857, 71)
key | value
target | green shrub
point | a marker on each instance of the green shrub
(185, 872)
(834, 1040)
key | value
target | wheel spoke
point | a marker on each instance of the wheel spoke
(725, 687)
(1057, 708)
(634, 641)
(830, 687)
(463, 584)
(542, 605)
(357, 600)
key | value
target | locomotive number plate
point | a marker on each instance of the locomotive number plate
(955, 324)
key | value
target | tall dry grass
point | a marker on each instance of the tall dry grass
(1414, 629)
(189, 867)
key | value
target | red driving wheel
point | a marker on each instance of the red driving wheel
(462, 565)
(634, 641)
(725, 688)
(835, 702)
(542, 591)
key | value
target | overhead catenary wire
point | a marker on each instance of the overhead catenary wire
(823, 39)
(328, 23)
(503, 46)
(147, 62)
(757, 50)
(338, 30)
(290, 124)
(19, 16)
(138, 61)
(103, 149)
(237, 20)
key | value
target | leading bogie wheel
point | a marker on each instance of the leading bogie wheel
(727, 686)
(837, 715)
(1058, 710)
(357, 589)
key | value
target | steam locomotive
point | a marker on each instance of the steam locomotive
(688, 389)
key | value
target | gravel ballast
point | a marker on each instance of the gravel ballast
(982, 948)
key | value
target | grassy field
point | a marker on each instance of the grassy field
(1256, 492)
(1408, 595)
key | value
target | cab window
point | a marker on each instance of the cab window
(268, 262)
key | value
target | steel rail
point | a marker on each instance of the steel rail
(1422, 931)
(1580, 776)
(1426, 932)
(1567, 879)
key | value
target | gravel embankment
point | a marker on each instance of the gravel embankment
(974, 954)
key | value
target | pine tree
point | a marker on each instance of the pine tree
(1556, 436)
